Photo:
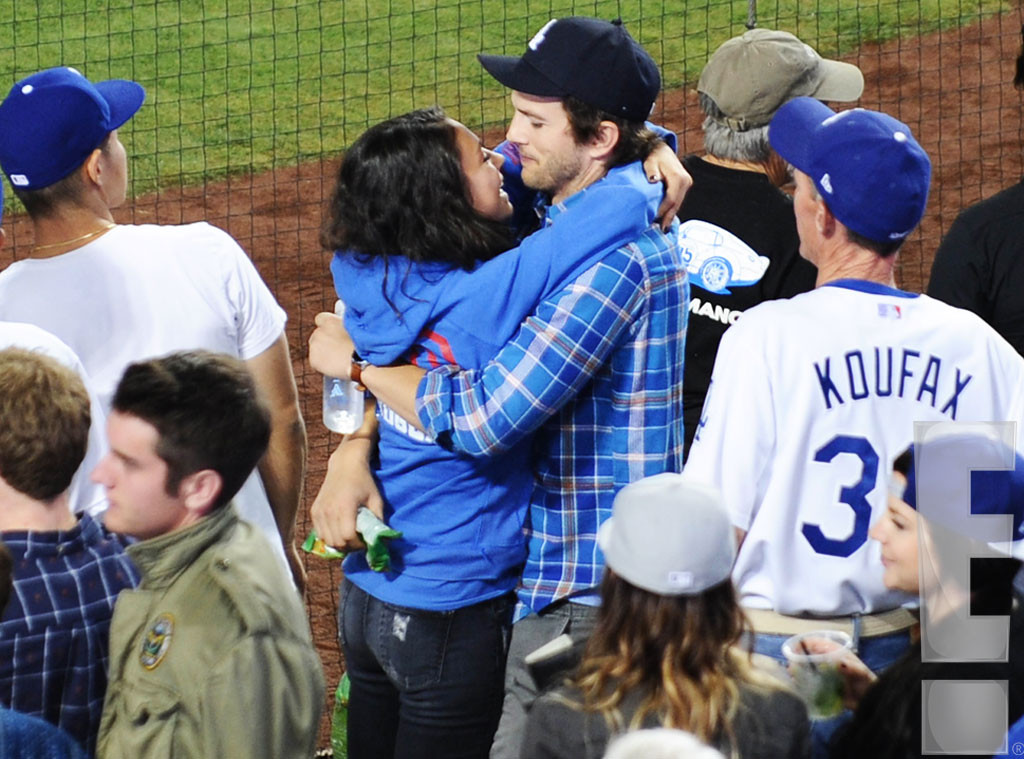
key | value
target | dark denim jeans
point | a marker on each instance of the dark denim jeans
(424, 683)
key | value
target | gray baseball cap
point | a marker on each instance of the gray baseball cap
(751, 76)
(669, 536)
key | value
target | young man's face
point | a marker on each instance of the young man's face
(135, 478)
(550, 155)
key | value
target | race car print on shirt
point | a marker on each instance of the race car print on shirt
(717, 259)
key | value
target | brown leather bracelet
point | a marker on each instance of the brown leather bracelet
(355, 372)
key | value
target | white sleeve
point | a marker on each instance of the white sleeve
(735, 438)
(259, 320)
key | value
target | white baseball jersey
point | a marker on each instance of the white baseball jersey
(812, 398)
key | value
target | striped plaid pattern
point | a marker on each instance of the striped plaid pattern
(597, 372)
(53, 637)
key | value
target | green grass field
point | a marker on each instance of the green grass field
(240, 85)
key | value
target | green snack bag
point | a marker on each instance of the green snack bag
(317, 547)
(375, 533)
(339, 720)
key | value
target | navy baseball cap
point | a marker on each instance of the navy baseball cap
(593, 60)
(51, 121)
(867, 166)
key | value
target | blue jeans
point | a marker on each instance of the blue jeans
(878, 653)
(424, 683)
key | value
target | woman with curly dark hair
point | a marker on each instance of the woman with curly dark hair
(406, 189)
(666, 651)
(425, 263)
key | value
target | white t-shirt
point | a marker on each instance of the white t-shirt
(85, 495)
(144, 291)
(812, 399)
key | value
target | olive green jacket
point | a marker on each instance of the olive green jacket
(211, 656)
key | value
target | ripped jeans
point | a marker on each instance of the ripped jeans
(424, 683)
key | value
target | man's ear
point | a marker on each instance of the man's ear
(93, 167)
(825, 220)
(199, 490)
(603, 144)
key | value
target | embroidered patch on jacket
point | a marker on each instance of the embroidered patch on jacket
(157, 641)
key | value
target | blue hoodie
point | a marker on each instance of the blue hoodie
(462, 517)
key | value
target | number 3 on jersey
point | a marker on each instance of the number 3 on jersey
(854, 496)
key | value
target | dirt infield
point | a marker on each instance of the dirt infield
(952, 88)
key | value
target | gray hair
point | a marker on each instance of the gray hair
(722, 141)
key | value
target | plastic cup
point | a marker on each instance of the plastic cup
(816, 675)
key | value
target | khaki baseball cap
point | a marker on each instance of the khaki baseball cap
(751, 76)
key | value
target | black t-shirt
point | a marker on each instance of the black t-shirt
(749, 206)
(980, 264)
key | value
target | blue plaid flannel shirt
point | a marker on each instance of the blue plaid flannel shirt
(597, 372)
(53, 634)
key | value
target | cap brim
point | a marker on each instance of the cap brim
(842, 82)
(790, 132)
(517, 74)
(123, 97)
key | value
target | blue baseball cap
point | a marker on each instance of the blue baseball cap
(51, 122)
(867, 166)
(593, 60)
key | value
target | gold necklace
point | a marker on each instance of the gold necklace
(82, 238)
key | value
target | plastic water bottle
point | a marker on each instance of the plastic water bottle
(343, 400)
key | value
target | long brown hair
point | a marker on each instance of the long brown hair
(679, 651)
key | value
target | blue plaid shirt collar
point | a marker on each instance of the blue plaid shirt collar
(40, 544)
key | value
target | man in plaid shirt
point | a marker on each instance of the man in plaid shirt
(67, 571)
(594, 374)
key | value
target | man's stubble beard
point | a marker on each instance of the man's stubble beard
(554, 174)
